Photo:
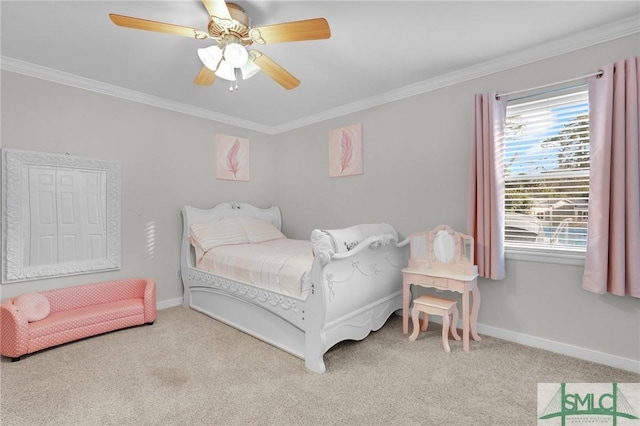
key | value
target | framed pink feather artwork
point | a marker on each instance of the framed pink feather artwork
(346, 153)
(232, 158)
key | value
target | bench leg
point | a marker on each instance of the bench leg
(445, 332)
(425, 322)
(415, 318)
(454, 322)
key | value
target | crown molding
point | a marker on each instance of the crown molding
(26, 68)
(578, 41)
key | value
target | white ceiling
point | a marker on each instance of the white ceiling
(378, 50)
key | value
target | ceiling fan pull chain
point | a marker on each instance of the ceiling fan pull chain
(236, 76)
(236, 72)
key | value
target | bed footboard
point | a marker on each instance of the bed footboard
(353, 294)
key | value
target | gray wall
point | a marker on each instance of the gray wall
(166, 162)
(416, 157)
(416, 160)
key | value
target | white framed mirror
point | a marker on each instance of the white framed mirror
(444, 247)
(61, 215)
(419, 245)
(466, 253)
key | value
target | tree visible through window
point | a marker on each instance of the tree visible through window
(547, 172)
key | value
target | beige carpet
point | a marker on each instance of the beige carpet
(190, 369)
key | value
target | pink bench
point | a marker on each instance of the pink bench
(31, 322)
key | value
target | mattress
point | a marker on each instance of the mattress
(281, 265)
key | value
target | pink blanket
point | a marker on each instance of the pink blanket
(281, 266)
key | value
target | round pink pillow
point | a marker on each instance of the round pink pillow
(34, 306)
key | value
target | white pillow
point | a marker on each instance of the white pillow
(321, 241)
(34, 306)
(223, 232)
(259, 231)
(346, 239)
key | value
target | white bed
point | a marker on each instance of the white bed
(342, 295)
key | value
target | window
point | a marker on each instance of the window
(547, 174)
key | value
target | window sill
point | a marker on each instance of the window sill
(561, 257)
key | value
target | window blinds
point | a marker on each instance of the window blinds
(546, 157)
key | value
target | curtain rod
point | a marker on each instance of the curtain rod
(598, 74)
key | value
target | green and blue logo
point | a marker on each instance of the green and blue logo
(588, 403)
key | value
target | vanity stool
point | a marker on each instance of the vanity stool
(443, 259)
(430, 305)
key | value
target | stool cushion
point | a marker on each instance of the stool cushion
(437, 302)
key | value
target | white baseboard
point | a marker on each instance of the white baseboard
(554, 346)
(164, 304)
(561, 348)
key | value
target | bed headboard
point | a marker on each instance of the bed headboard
(191, 215)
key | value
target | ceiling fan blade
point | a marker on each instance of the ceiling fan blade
(205, 77)
(309, 29)
(217, 8)
(281, 76)
(161, 27)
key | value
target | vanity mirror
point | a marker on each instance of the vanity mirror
(60, 216)
(444, 246)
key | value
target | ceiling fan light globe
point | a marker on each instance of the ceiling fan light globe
(226, 71)
(249, 70)
(210, 56)
(236, 55)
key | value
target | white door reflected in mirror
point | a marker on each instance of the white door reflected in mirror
(62, 215)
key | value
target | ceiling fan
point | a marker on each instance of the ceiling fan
(232, 30)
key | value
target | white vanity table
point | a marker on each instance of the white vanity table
(443, 259)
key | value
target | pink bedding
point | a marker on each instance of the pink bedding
(280, 265)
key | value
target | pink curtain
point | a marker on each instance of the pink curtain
(485, 193)
(612, 262)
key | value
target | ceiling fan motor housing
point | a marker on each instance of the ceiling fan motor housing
(238, 26)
